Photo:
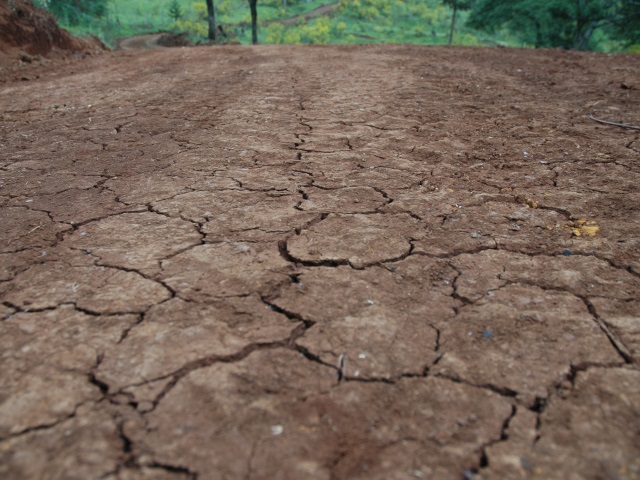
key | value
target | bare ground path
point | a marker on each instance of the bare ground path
(321, 263)
(140, 42)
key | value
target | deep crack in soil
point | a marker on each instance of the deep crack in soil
(322, 263)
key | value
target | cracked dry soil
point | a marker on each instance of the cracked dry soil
(321, 263)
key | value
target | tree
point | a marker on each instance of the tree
(626, 28)
(524, 17)
(175, 10)
(211, 19)
(253, 5)
(456, 5)
(558, 23)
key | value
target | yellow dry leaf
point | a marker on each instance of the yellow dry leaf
(584, 228)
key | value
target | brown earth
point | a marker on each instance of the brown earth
(140, 42)
(153, 40)
(321, 263)
(29, 35)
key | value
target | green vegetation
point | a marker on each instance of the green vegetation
(76, 12)
(424, 22)
(578, 24)
(175, 10)
(606, 25)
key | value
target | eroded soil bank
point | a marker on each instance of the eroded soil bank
(321, 263)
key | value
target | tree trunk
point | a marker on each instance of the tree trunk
(453, 22)
(253, 5)
(585, 26)
(211, 17)
(584, 37)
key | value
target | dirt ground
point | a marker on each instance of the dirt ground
(290, 262)
(29, 35)
(139, 42)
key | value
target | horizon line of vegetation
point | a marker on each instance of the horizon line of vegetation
(596, 25)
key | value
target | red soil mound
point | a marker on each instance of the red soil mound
(27, 31)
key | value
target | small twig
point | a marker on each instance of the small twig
(621, 125)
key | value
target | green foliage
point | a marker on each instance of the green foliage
(224, 8)
(456, 6)
(275, 33)
(559, 23)
(73, 12)
(626, 25)
(318, 33)
(365, 9)
(175, 10)
(195, 29)
(459, 4)
(516, 22)
(278, 33)
(199, 12)
(429, 14)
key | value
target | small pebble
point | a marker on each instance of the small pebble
(277, 430)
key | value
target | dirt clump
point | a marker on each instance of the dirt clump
(28, 34)
(174, 40)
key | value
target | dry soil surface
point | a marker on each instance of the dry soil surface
(321, 263)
